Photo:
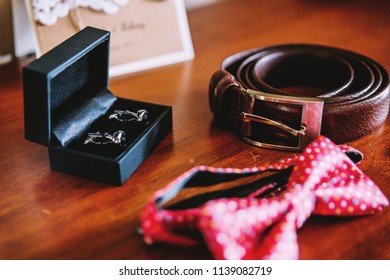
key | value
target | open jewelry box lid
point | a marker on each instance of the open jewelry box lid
(67, 88)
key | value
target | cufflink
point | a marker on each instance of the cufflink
(128, 116)
(118, 137)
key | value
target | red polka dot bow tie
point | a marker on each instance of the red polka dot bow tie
(259, 220)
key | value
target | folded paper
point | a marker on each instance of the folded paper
(145, 34)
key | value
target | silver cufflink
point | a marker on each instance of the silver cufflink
(128, 116)
(118, 137)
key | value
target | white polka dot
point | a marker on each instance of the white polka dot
(222, 238)
(220, 207)
(250, 218)
(363, 207)
(261, 215)
(234, 232)
(331, 205)
(308, 205)
(234, 253)
(232, 205)
(291, 236)
(241, 214)
(243, 203)
(296, 200)
(158, 216)
(282, 246)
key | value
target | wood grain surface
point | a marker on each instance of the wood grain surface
(51, 215)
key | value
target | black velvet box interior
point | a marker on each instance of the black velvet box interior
(66, 97)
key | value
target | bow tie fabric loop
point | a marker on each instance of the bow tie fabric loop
(164, 225)
(260, 220)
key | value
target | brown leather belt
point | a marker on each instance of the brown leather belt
(284, 96)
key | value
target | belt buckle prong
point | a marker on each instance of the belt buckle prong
(310, 126)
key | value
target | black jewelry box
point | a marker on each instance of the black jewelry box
(66, 97)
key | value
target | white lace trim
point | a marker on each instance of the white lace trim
(47, 12)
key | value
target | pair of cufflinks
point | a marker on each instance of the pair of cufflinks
(119, 136)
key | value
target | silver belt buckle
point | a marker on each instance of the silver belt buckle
(310, 124)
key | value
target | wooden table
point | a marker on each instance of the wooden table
(50, 215)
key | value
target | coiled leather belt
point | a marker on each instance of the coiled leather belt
(284, 96)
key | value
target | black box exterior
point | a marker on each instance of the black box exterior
(66, 96)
